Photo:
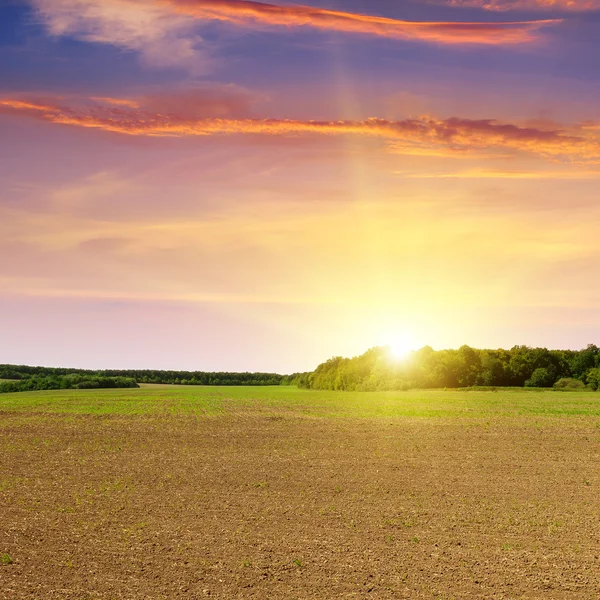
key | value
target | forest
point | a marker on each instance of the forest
(71, 381)
(19, 372)
(521, 366)
(375, 370)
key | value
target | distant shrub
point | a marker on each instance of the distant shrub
(540, 378)
(569, 383)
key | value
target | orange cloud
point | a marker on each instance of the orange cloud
(241, 12)
(28, 106)
(504, 5)
(223, 101)
(590, 126)
(501, 174)
(423, 135)
(116, 101)
(164, 32)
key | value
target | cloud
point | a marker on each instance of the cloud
(28, 106)
(162, 37)
(332, 251)
(419, 136)
(245, 13)
(501, 174)
(215, 101)
(505, 5)
(590, 126)
(165, 32)
(116, 101)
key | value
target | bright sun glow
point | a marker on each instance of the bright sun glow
(400, 348)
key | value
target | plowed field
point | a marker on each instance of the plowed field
(169, 492)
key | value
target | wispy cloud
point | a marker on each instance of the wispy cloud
(27, 106)
(246, 13)
(423, 135)
(161, 36)
(165, 32)
(73, 254)
(505, 5)
(116, 101)
(501, 174)
(214, 100)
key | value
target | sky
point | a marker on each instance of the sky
(248, 186)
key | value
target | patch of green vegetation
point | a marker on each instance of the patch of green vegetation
(162, 401)
(6, 559)
(65, 382)
(9, 483)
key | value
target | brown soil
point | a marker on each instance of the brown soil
(252, 506)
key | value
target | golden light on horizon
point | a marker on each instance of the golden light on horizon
(400, 348)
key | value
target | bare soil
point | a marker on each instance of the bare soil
(278, 506)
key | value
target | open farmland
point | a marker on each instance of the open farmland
(189, 492)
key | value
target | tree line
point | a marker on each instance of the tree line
(71, 381)
(21, 372)
(521, 366)
(376, 369)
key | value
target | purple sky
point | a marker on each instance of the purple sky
(230, 185)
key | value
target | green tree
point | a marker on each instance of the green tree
(541, 377)
(593, 378)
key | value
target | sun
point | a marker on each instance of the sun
(400, 348)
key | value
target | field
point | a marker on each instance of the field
(175, 492)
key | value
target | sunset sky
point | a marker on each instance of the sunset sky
(231, 185)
